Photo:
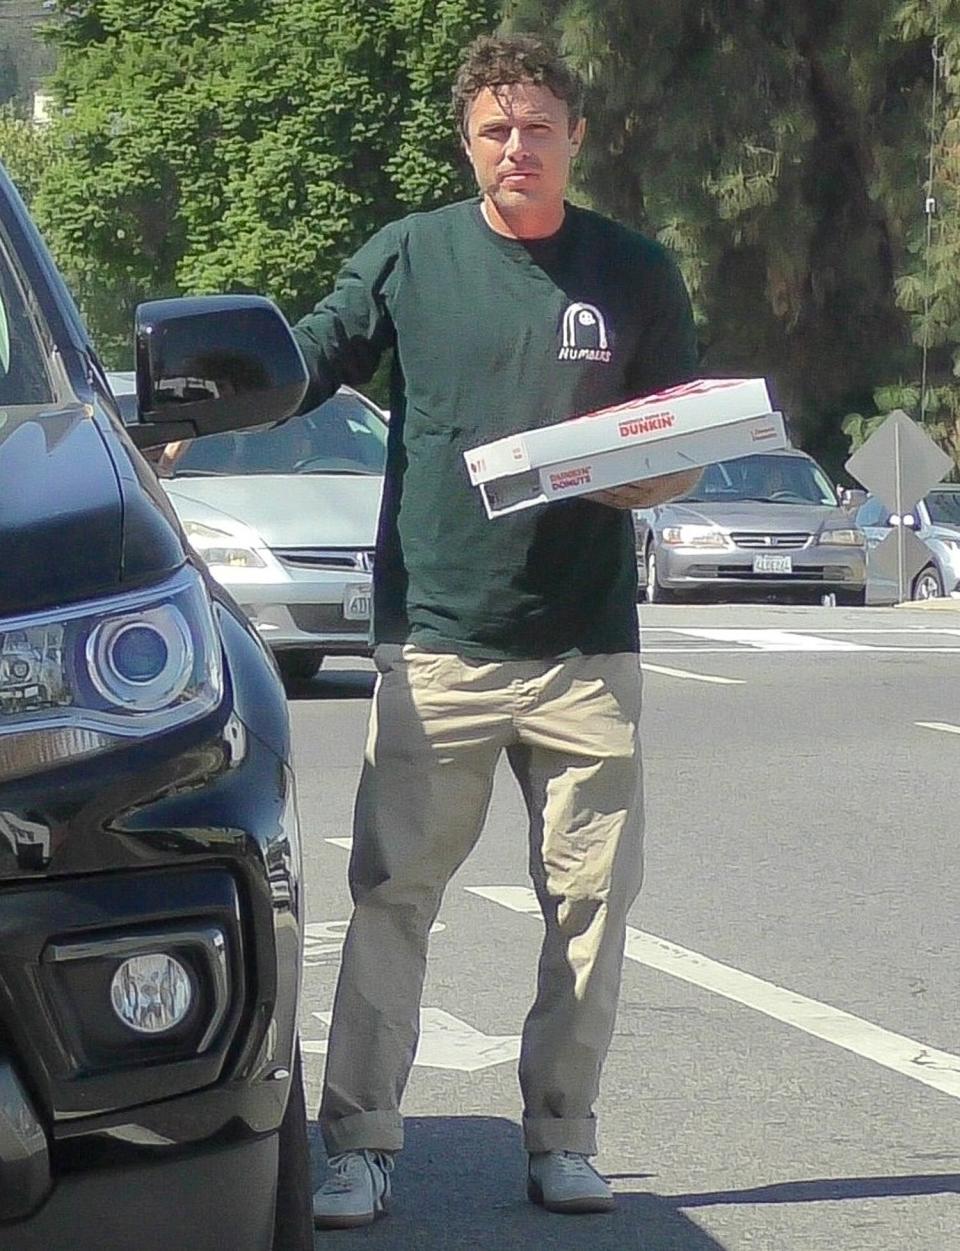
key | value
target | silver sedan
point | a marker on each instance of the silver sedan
(768, 525)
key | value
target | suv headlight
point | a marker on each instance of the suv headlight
(844, 538)
(81, 680)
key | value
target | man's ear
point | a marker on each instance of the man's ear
(577, 135)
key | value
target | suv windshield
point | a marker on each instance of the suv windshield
(24, 379)
(944, 507)
(768, 477)
(344, 435)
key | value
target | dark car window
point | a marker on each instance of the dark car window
(24, 378)
(944, 507)
(873, 513)
(776, 479)
(343, 435)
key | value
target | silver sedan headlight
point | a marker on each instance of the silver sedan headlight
(844, 538)
(695, 536)
(82, 680)
(220, 548)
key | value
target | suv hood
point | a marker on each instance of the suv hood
(76, 519)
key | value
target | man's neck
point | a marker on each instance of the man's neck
(523, 226)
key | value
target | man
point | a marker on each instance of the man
(506, 312)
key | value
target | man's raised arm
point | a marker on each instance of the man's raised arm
(344, 337)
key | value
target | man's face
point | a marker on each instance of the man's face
(520, 144)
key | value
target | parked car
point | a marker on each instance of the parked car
(150, 899)
(768, 524)
(286, 520)
(936, 523)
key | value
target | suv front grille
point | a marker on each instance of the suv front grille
(758, 540)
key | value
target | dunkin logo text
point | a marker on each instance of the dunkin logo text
(646, 425)
(566, 479)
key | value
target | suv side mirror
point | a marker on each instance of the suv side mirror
(207, 364)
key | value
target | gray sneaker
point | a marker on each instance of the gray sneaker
(563, 1181)
(356, 1192)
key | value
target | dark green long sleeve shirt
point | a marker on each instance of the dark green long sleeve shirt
(492, 336)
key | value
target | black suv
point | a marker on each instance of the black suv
(150, 910)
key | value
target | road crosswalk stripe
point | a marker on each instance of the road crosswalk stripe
(693, 677)
(445, 1042)
(937, 1069)
(777, 640)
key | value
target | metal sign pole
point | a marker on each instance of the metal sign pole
(901, 537)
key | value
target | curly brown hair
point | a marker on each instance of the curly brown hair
(500, 60)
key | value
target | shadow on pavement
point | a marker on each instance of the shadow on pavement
(334, 684)
(829, 1189)
(459, 1186)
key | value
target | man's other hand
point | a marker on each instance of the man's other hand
(648, 491)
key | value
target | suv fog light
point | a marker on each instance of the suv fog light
(151, 993)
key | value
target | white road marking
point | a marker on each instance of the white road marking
(685, 629)
(938, 1069)
(445, 1043)
(345, 843)
(694, 677)
(939, 725)
(324, 939)
(747, 650)
(777, 640)
(516, 898)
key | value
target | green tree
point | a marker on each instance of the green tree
(780, 150)
(928, 283)
(28, 151)
(243, 145)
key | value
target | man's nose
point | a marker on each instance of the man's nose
(515, 145)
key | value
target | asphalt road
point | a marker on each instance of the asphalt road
(785, 1074)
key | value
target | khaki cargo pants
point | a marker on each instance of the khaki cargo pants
(437, 728)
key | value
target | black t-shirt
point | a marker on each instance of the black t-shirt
(493, 336)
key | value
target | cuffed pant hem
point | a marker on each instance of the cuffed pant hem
(364, 1131)
(555, 1133)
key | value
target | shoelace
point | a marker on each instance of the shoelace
(340, 1181)
(574, 1165)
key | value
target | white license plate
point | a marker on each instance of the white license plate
(768, 563)
(358, 602)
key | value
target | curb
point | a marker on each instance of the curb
(949, 603)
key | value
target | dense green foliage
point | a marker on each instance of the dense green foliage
(224, 145)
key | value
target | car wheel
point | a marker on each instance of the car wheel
(299, 666)
(293, 1214)
(656, 594)
(927, 585)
